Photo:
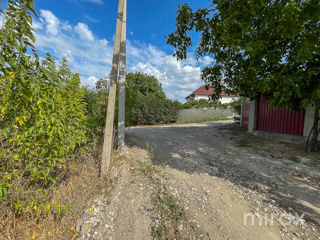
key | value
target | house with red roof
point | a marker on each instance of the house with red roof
(204, 93)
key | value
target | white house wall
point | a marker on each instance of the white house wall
(199, 97)
(223, 99)
(228, 99)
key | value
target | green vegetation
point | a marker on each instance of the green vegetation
(171, 214)
(48, 122)
(258, 47)
(42, 117)
(208, 119)
(202, 103)
(146, 103)
(46, 129)
(97, 102)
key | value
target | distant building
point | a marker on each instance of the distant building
(203, 93)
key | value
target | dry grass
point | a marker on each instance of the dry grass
(79, 186)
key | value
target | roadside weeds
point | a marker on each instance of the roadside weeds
(170, 218)
(80, 184)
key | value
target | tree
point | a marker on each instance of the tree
(258, 46)
(146, 102)
(266, 46)
(96, 104)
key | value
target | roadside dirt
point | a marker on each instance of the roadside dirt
(207, 181)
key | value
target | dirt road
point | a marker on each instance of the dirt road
(213, 181)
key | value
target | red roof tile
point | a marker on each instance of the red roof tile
(203, 91)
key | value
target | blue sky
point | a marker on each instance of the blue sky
(83, 31)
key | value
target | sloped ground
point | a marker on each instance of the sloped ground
(138, 206)
(122, 212)
(202, 181)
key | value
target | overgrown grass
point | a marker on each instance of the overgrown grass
(208, 119)
(62, 207)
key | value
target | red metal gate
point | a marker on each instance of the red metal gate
(279, 119)
(245, 113)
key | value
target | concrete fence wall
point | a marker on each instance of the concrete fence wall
(309, 121)
(199, 114)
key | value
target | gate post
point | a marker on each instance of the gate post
(242, 101)
(253, 114)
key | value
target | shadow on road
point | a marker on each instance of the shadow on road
(213, 148)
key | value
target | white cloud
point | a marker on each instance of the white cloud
(90, 81)
(2, 21)
(86, 55)
(66, 26)
(84, 32)
(51, 21)
(206, 60)
(92, 57)
(178, 78)
(37, 25)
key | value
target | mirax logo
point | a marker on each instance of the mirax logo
(285, 219)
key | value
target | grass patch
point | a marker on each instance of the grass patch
(208, 119)
(147, 170)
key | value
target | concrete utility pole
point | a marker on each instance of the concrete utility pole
(122, 79)
(108, 130)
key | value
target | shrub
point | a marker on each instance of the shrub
(146, 103)
(205, 103)
(96, 105)
(42, 114)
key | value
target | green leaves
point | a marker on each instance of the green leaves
(146, 103)
(258, 46)
(4, 186)
(42, 111)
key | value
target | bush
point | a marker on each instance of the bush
(146, 103)
(96, 105)
(237, 105)
(205, 103)
(42, 115)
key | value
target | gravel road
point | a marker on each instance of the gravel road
(290, 185)
(207, 181)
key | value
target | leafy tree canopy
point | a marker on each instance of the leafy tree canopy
(145, 84)
(146, 102)
(261, 46)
